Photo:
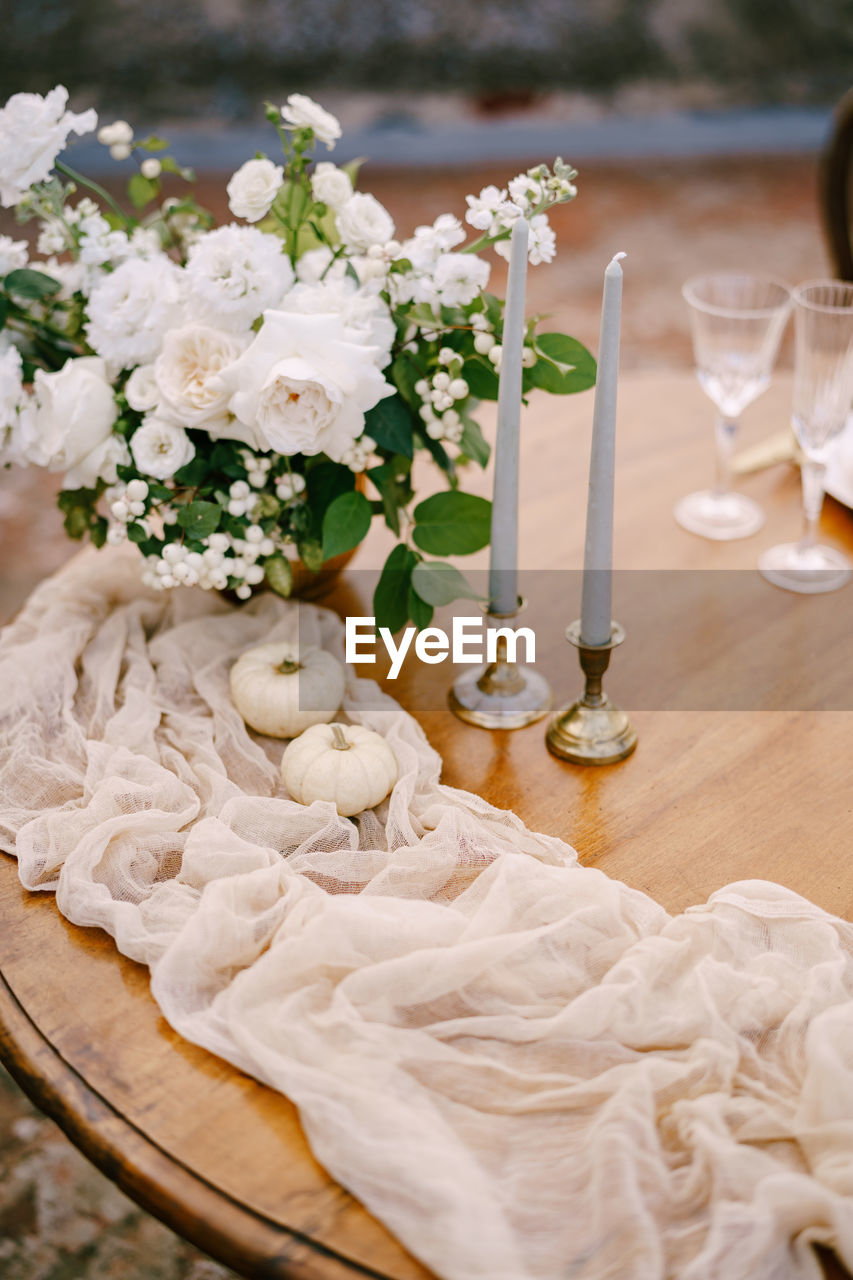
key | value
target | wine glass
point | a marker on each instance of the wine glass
(737, 322)
(823, 390)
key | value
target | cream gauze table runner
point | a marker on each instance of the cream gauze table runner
(526, 1069)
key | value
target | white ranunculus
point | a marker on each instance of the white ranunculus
(141, 390)
(100, 464)
(303, 387)
(365, 314)
(33, 130)
(132, 308)
(13, 255)
(235, 274)
(363, 221)
(301, 112)
(330, 185)
(69, 414)
(459, 278)
(253, 188)
(187, 372)
(160, 448)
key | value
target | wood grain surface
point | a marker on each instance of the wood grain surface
(710, 796)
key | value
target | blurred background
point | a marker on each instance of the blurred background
(696, 125)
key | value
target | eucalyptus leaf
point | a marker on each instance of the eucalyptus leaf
(199, 518)
(452, 523)
(438, 582)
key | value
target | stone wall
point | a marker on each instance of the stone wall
(173, 58)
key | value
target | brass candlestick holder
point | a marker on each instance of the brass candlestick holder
(592, 730)
(501, 694)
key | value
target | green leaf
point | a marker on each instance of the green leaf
(345, 523)
(142, 190)
(419, 611)
(153, 143)
(437, 583)
(452, 523)
(279, 575)
(483, 382)
(564, 365)
(26, 283)
(135, 533)
(404, 375)
(98, 531)
(193, 473)
(323, 483)
(199, 518)
(390, 599)
(4, 311)
(473, 444)
(390, 424)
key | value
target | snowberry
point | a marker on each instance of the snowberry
(243, 592)
(495, 353)
(458, 389)
(441, 381)
(254, 533)
(421, 386)
(120, 510)
(446, 355)
(239, 489)
(528, 357)
(483, 343)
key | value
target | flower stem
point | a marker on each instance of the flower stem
(99, 190)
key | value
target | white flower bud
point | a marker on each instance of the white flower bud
(118, 133)
(121, 151)
(151, 168)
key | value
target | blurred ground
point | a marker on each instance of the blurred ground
(59, 1220)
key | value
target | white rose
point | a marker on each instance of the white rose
(141, 390)
(69, 414)
(33, 130)
(100, 464)
(365, 314)
(187, 373)
(330, 185)
(161, 448)
(363, 221)
(133, 307)
(301, 112)
(303, 387)
(253, 188)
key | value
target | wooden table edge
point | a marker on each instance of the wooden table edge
(250, 1243)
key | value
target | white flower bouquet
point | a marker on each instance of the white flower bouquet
(214, 394)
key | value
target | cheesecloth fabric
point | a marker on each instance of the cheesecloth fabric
(526, 1069)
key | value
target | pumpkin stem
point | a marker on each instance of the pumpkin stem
(339, 742)
(288, 667)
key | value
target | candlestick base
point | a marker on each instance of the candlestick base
(592, 730)
(500, 694)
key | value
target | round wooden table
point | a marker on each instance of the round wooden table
(709, 797)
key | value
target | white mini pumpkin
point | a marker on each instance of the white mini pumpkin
(347, 764)
(281, 689)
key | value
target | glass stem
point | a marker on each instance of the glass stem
(812, 475)
(725, 437)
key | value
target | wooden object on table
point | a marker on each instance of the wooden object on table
(707, 798)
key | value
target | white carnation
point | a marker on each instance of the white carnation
(490, 211)
(131, 310)
(187, 373)
(13, 255)
(301, 112)
(253, 188)
(33, 130)
(161, 448)
(363, 221)
(70, 413)
(330, 185)
(235, 273)
(303, 387)
(141, 390)
(459, 278)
